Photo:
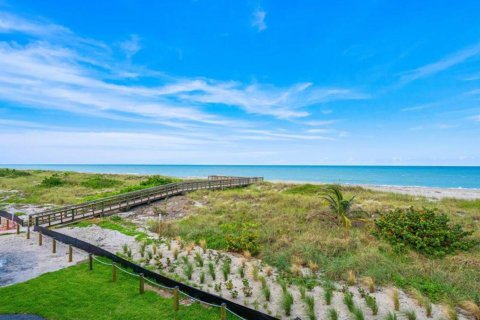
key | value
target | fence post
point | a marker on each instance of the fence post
(90, 262)
(70, 254)
(175, 299)
(114, 272)
(54, 245)
(28, 231)
(18, 228)
(8, 224)
(142, 284)
(223, 311)
(40, 240)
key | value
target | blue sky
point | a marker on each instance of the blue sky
(240, 82)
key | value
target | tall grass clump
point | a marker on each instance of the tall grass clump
(266, 293)
(328, 295)
(211, 270)
(369, 283)
(472, 308)
(332, 314)
(310, 306)
(287, 302)
(199, 259)
(226, 269)
(396, 299)
(348, 301)
(358, 314)
(410, 315)
(188, 270)
(391, 316)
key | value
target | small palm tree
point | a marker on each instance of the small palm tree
(339, 205)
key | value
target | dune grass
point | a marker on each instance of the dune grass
(76, 293)
(284, 222)
(59, 188)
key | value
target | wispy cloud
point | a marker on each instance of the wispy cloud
(258, 20)
(419, 107)
(10, 23)
(441, 65)
(131, 46)
(476, 118)
(53, 74)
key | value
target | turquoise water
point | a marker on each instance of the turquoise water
(446, 177)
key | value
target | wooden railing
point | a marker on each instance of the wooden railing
(123, 202)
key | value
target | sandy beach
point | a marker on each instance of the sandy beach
(427, 192)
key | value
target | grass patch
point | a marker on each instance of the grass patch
(294, 222)
(100, 182)
(13, 173)
(115, 223)
(76, 293)
(61, 188)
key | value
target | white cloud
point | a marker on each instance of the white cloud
(476, 118)
(441, 65)
(131, 46)
(258, 20)
(10, 23)
(419, 107)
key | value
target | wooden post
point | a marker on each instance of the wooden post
(40, 240)
(54, 246)
(18, 228)
(223, 311)
(114, 272)
(90, 262)
(28, 231)
(70, 254)
(176, 303)
(8, 224)
(142, 284)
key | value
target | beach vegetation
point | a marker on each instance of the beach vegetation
(423, 230)
(287, 302)
(339, 204)
(332, 314)
(99, 182)
(13, 173)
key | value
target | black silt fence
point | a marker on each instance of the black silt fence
(240, 310)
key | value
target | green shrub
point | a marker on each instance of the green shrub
(100, 182)
(13, 173)
(306, 189)
(53, 181)
(424, 230)
(241, 236)
(157, 181)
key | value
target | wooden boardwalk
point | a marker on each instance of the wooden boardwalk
(124, 202)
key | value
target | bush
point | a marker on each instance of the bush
(241, 236)
(13, 173)
(154, 181)
(54, 181)
(99, 182)
(425, 231)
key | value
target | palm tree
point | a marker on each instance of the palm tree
(339, 205)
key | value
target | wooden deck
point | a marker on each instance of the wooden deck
(123, 202)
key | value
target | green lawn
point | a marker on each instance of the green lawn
(76, 293)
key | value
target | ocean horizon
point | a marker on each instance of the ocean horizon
(415, 176)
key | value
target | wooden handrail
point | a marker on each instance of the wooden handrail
(127, 200)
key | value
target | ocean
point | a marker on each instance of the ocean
(421, 176)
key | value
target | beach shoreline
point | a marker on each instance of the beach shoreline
(435, 193)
